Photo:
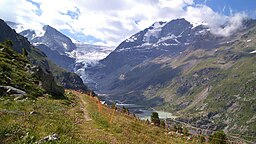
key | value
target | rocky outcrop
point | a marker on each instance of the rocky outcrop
(49, 138)
(48, 82)
(12, 91)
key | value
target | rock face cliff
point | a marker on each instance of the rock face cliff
(186, 70)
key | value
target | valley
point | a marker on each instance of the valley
(186, 71)
(153, 72)
(205, 80)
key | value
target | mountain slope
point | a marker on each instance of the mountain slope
(38, 72)
(139, 51)
(17, 71)
(205, 79)
(37, 57)
(76, 119)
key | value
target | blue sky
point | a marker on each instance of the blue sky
(226, 6)
(111, 22)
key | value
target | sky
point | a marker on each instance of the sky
(109, 22)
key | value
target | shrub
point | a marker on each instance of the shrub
(155, 118)
(218, 137)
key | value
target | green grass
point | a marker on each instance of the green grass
(52, 116)
(122, 128)
(14, 71)
(67, 119)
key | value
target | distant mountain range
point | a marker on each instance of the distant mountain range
(60, 49)
(207, 80)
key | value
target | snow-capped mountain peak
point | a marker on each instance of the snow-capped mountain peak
(26, 30)
(153, 32)
(162, 35)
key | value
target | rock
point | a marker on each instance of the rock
(49, 138)
(18, 98)
(53, 137)
(9, 90)
(33, 113)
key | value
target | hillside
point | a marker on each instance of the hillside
(77, 119)
(205, 79)
(18, 73)
(217, 87)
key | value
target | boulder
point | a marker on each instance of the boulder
(9, 90)
(33, 113)
(49, 138)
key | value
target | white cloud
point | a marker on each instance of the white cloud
(112, 21)
(219, 24)
(232, 24)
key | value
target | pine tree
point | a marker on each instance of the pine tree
(8, 43)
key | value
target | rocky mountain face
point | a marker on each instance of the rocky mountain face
(37, 57)
(52, 42)
(207, 80)
(160, 40)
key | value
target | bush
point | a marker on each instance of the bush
(155, 118)
(218, 137)
(162, 124)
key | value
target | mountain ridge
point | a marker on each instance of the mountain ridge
(183, 78)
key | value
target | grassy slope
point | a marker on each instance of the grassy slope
(13, 71)
(77, 120)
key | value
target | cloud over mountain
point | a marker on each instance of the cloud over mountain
(110, 22)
